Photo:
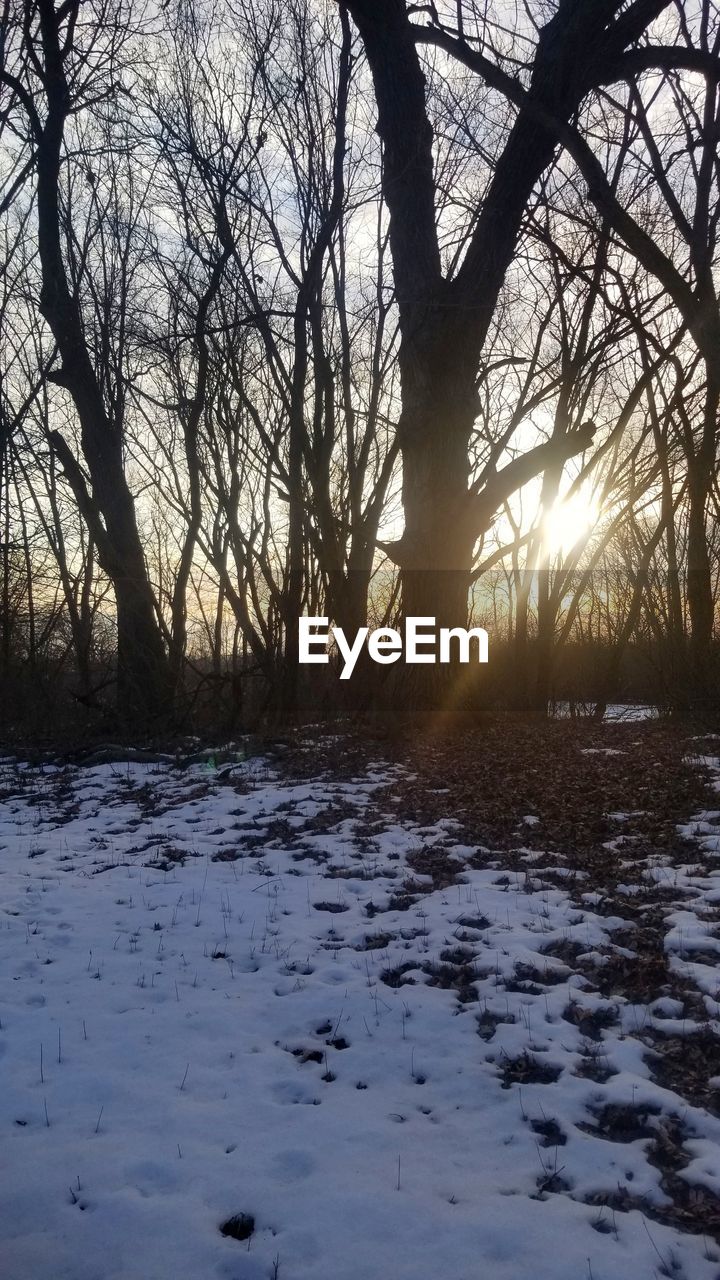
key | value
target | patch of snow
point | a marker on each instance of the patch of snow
(212, 1007)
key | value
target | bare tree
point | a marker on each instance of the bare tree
(63, 68)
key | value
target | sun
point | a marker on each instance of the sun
(568, 521)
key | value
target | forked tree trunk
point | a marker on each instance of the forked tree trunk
(444, 322)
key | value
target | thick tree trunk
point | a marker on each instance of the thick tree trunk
(547, 617)
(702, 698)
(435, 552)
(144, 685)
(436, 549)
(293, 593)
(520, 654)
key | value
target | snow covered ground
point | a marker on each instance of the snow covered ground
(221, 1005)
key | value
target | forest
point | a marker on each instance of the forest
(359, 640)
(358, 310)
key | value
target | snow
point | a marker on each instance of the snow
(185, 1042)
(626, 712)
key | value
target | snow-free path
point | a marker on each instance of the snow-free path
(268, 1029)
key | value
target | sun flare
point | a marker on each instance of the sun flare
(568, 521)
